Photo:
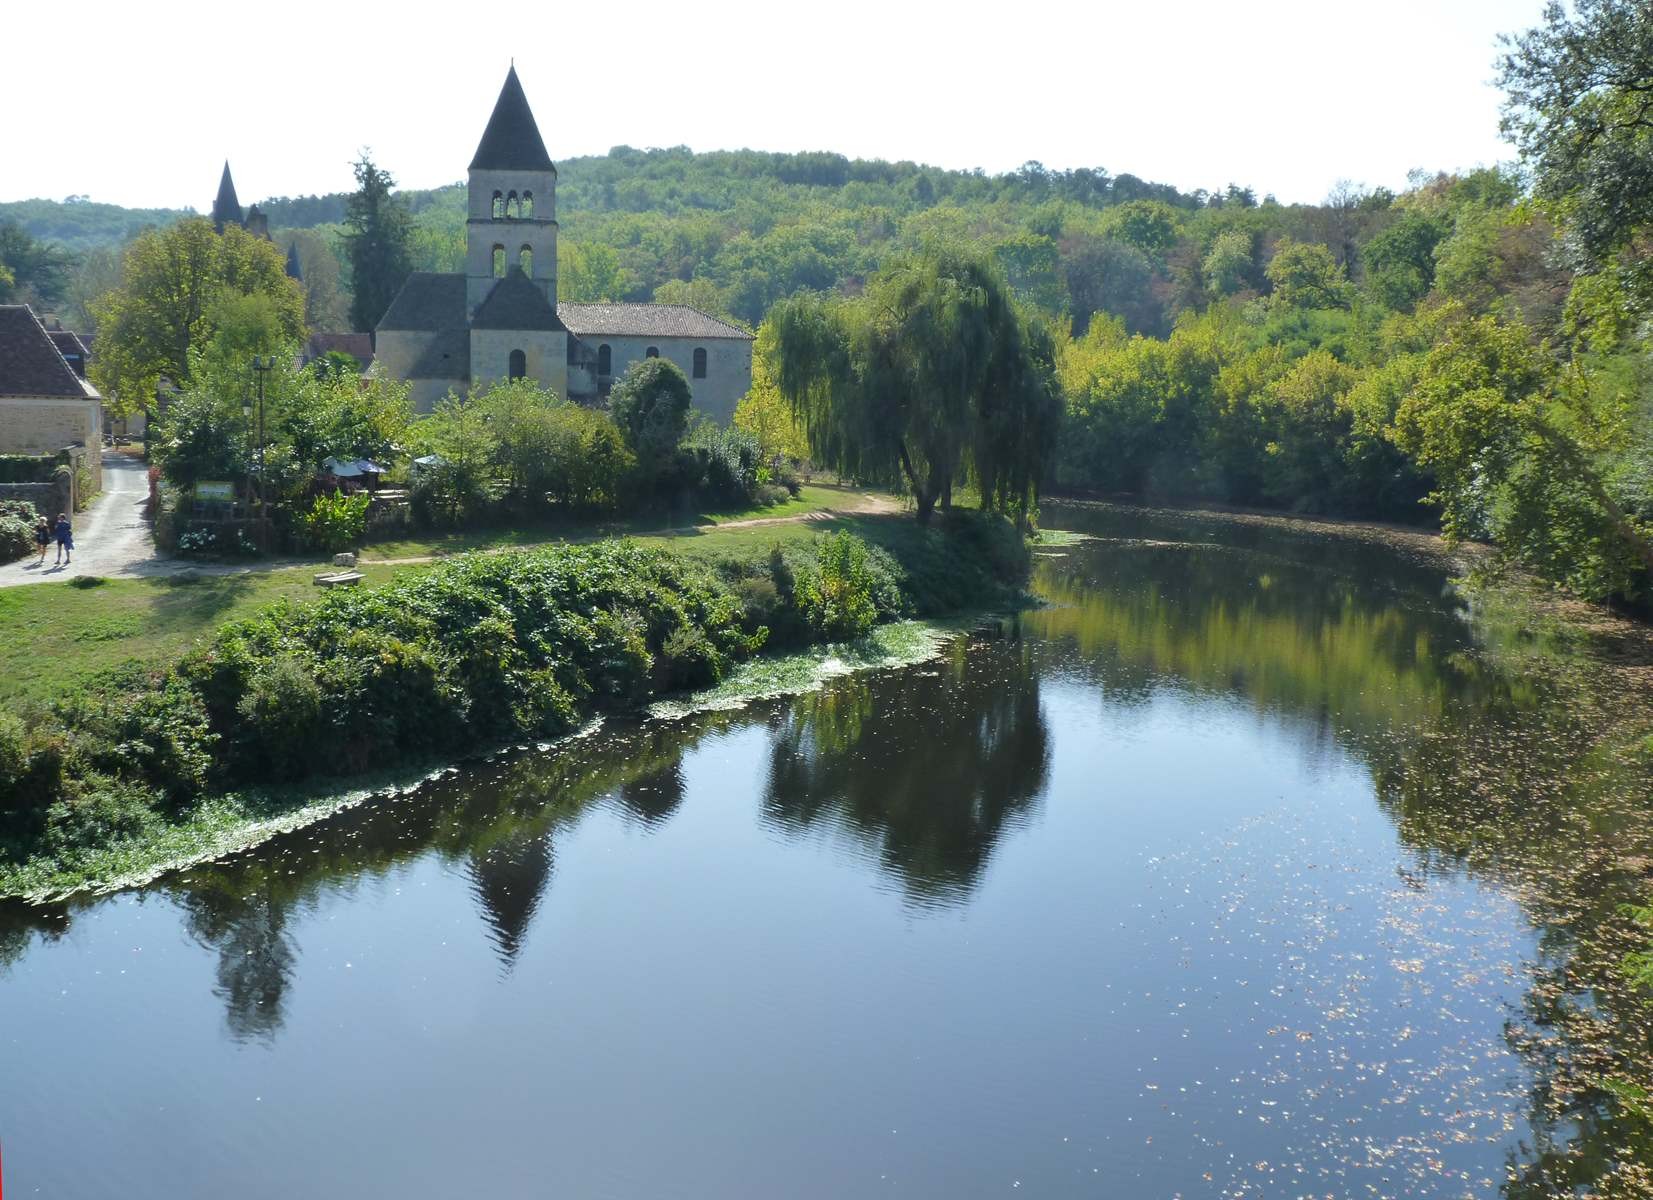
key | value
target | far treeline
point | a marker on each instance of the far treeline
(1470, 351)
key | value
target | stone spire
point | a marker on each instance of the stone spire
(512, 141)
(226, 210)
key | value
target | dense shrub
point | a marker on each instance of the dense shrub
(471, 652)
(335, 522)
(16, 537)
(836, 597)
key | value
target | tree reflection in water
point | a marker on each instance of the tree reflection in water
(927, 768)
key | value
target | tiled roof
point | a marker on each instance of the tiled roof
(645, 320)
(512, 141)
(30, 365)
(427, 302)
(515, 303)
(74, 350)
(358, 345)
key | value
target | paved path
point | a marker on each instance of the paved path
(111, 536)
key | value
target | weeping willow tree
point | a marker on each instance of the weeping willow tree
(932, 377)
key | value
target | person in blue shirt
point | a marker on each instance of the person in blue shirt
(65, 539)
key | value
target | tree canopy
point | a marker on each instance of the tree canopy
(377, 237)
(932, 377)
(178, 287)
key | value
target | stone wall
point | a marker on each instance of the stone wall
(47, 498)
(45, 425)
(728, 367)
(545, 352)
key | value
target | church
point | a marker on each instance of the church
(501, 319)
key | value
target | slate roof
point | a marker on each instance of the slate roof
(30, 364)
(226, 210)
(74, 350)
(427, 302)
(515, 303)
(512, 141)
(358, 345)
(645, 320)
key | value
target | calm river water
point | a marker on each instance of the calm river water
(1244, 868)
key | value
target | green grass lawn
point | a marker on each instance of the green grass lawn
(55, 637)
(811, 498)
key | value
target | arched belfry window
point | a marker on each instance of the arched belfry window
(525, 260)
(700, 362)
(652, 352)
(519, 364)
(527, 204)
(499, 207)
(499, 262)
(511, 206)
(605, 359)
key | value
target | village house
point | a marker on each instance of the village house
(501, 318)
(46, 404)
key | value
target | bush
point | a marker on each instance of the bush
(689, 660)
(154, 731)
(281, 711)
(103, 813)
(19, 508)
(836, 597)
(335, 522)
(16, 537)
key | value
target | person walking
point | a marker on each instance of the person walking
(42, 537)
(65, 540)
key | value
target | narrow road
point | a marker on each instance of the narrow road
(111, 537)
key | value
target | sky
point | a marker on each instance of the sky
(140, 104)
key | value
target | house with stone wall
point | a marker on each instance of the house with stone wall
(501, 318)
(45, 405)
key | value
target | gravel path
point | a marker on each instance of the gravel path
(111, 537)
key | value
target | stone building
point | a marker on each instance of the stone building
(45, 404)
(501, 319)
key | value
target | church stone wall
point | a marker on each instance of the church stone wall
(545, 352)
(396, 351)
(728, 367)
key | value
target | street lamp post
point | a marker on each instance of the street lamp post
(261, 369)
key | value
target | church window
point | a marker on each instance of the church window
(700, 362)
(499, 262)
(525, 260)
(652, 352)
(527, 204)
(519, 364)
(605, 359)
(511, 206)
(499, 207)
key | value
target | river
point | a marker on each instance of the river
(1258, 862)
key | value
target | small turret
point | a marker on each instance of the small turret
(226, 210)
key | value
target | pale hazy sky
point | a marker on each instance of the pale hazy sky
(139, 104)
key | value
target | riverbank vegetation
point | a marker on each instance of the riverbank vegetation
(441, 661)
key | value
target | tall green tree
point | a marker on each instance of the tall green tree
(378, 240)
(932, 377)
(1580, 108)
(650, 404)
(1533, 455)
(177, 284)
(31, 271)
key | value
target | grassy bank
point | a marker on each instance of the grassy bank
(289, 698)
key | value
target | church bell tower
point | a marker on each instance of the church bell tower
(512, 202)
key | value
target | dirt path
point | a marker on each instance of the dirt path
(111, 537)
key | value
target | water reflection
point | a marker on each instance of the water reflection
(1491, 762)
(927, 769)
